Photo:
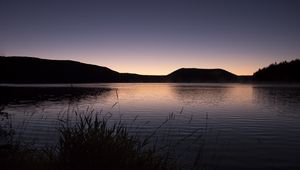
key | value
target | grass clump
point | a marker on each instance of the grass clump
(91, 143)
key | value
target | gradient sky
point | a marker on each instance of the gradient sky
(154, 36)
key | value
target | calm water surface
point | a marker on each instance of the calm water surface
(222, 126)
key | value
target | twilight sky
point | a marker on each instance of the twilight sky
(154, 36)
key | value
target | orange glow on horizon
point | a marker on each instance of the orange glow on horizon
(163, 63)
(149, 70)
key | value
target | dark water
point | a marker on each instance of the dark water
(218, 126)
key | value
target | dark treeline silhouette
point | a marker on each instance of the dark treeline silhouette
(282, 72)
(36, 70)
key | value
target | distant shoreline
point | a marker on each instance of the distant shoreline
(30, 70)
(92, 85)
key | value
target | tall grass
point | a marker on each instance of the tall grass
(94, 144)
(90, 143)
(91, 140)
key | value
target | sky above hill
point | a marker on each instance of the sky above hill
(154, 36)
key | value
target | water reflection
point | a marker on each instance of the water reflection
(245, 118)
(36, 95)
(201, 94)
(282, 99)
(34, 111)
(214, 95)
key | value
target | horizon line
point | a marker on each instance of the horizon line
(130, 72)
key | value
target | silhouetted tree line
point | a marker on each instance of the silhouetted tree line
(280, 72)
(36, 70)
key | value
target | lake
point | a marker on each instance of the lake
(213, 126)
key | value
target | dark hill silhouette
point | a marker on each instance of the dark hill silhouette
(201, 75)
(35, 70)
(282, 72)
